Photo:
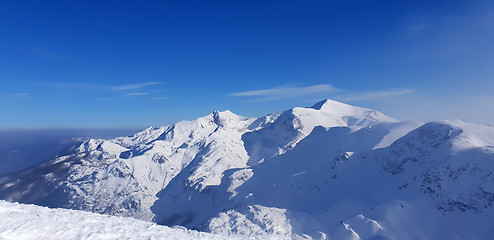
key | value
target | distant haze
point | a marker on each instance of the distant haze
(20, 149)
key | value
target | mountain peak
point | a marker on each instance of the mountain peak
(223, 113)
(345, 110)
(339, 108)
(227, 114)
(328, 103)
(222, 118)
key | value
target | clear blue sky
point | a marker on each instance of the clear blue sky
(140, 63)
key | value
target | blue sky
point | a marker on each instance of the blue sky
(134, 64)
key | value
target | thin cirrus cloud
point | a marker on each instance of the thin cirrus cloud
(342, 95)
(95, 86)
(19, 95)
(375, 95)
(125, 91)
(79, 86)
(135, 86)
(286, 92)
(134, 94)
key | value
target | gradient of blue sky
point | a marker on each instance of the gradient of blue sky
(140, 63)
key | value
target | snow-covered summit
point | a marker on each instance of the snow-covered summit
(329, 113)
(342, 110)
(472, 135)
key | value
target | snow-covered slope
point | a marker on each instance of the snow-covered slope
(438, 176)
(24, 222)
(331, 170)
(123, 175)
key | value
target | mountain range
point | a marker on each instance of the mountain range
(330, 171)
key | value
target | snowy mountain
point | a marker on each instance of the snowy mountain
(328, 171)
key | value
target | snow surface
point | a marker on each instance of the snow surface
(324, 172)
(23, 222)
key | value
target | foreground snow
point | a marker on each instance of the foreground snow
(21, 221)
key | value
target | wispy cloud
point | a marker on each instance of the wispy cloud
(373, 95)
(286, 92)
(81, 86)
(133, 94)
(317, 91)
(135, 86)
(18, 95)
(95, 86)
(112, 92)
